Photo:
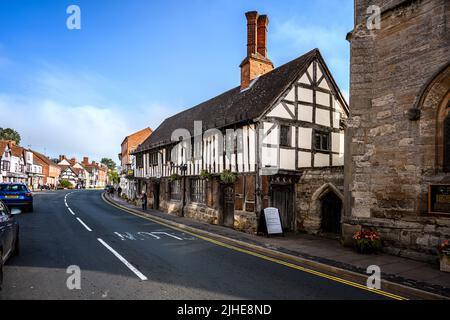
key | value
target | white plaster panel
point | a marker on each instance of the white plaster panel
(304, 159)
(305, 95)
(323, 117)
(291, 94)
(321, 160)
(287, 159)
(304, 138)
(269, 156)
(323, 98)
(338, 159)
(305, 113)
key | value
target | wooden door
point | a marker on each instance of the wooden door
(228, 197)
(282, 198)
(331, 213)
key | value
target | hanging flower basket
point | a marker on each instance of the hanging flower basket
(444, 254)
(205, 175)
(367, 242)
(228, 177)
(174, 177)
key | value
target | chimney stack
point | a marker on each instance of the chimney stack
(263, 22)
(256, 63)
(73, 161)
(86, 160)
(252, 20)
(62, 157)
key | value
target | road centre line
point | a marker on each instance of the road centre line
(84, 225)
(73, 213)
(123, 260)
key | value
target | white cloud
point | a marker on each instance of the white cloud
(75, 112)
(54, 128)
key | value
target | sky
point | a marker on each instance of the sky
(135, 62)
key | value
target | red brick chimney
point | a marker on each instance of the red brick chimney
(263, 22)
(62, 157)
(86, 161)
(73, 161)
(256, 63)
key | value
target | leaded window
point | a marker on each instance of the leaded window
(285, 136)
(322, 141)
(197, 190)
(175, 190)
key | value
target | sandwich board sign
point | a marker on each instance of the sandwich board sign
(273, 221)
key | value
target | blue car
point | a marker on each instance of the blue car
(16, 195)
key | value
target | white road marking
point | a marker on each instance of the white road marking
(124, 261)
(73, 213)
(84, 225)
(168, 234)
(148, 234)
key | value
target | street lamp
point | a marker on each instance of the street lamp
(183, 169)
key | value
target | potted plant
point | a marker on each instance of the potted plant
(228, 177)
(174, 177)
(205, 175)
(367, 241)
(444, 254)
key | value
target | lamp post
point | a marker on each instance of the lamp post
(183, 169)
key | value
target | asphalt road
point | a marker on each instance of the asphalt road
(122, 256)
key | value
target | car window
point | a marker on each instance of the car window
(13, 187)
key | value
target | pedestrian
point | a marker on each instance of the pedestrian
(144, 201)
(119, 192)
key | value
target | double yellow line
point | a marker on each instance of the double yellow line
(261, 256)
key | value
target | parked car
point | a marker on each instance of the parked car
(9, 235)
(16, 195)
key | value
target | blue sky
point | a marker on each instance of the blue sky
(135, 62)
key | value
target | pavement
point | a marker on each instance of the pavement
(398, 273)
(77, 238)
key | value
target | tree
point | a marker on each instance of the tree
(65, 184)
(113, 176)
(10, 134)
(109, 163)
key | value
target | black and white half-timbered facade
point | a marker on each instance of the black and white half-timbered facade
(277, 140)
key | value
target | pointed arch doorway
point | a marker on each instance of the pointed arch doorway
(331, 209)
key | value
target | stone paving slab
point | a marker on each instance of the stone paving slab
(418, 274)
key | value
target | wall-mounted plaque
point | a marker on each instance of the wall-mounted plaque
(439, 199)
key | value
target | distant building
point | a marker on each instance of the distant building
(129, 144)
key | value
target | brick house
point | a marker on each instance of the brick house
(398, 138)
(129, 144)
(277, 138)
(51, 171)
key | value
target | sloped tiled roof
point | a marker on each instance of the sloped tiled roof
(234, 106)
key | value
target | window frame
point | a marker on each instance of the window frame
(322, 135)
(197, 190)
(175, 190)
(285, 141)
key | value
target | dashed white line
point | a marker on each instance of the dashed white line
(124, 261)
(84, 225)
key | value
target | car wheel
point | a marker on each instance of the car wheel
(30, 209)
(16, 245)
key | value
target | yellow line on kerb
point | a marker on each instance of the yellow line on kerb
(261, 256)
